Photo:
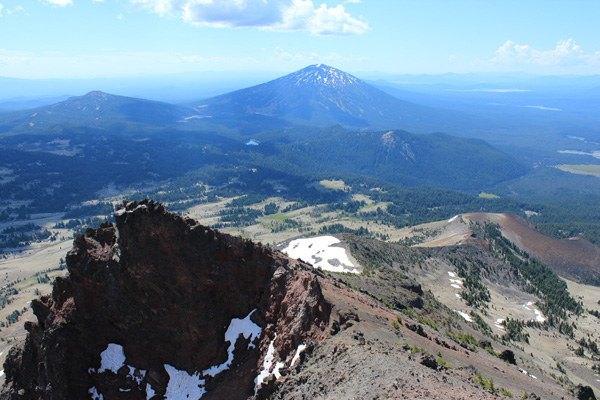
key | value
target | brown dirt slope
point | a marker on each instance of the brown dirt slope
(574, 258)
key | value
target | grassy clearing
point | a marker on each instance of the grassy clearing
(333, 184)
(277, 217)
(581, 169)
(484, 195)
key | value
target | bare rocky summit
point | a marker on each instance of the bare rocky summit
(165, 289)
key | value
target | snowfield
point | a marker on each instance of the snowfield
(181, 384)
(244, 327)
(113, 358)
(268, 365)
(463, 314)
(319, 252)
(539, 317)
(455, 282)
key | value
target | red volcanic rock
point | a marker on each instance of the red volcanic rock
(165, 289)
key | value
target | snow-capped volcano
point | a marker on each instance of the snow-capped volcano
(321, 75)
(318, 95)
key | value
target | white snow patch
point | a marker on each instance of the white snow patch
(1, 373)
(267, 363)
(150, 393)
(539, 316)
(457, 295)
(94, 393)
(455, 286)
(458, 281)
(498, 323)
(278, 366)
(113, 358)
(237, 327)
(452, 274)
(140, 376)
(183, 385)
(531, 376)
(299, 351)
(453, 218)
(466, 316)
(319, 252)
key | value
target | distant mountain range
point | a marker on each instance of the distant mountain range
(95, 109)
(320, 95)
(317, 95)
(163, 140)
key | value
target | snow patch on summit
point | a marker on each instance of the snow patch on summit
(322, 75)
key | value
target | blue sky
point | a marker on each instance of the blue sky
(87, 38)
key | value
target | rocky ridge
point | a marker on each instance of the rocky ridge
(165, 290)
(161, 307)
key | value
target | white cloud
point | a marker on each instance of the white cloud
(216, 60)
(9, 11)
(279, 15)
(12, 60)
(61, 3)
(335, 21)
(333, 56)
(287, 56)
(566, 53)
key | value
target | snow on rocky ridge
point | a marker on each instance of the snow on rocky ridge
(319, 252)
(182, 385)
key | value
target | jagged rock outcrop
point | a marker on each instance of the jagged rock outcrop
(147, 307)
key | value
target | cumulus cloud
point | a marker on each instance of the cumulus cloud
(1, 7)
(279, 15)
(566, 52)
(61, 3)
